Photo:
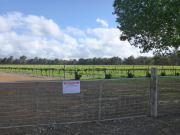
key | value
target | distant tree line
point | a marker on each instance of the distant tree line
(173, 59)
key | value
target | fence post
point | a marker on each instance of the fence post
(36, 102)
(100, 99)
(154, 93)
(64, 72)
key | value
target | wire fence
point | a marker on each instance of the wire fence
(169, 95)
(43, 102)
(34, 103)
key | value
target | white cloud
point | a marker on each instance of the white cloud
(41, 26)
(102, 22)
(37, 36)
(3, 25)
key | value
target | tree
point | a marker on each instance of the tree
(149, 24)
(115, 61)
(141, 60)
(161, 60)
(175, 58)
(129, 61)
(10, 60)
(22, 59)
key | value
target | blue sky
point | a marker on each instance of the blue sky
(78, 13)
(64, 29)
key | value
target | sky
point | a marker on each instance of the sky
(64, 29)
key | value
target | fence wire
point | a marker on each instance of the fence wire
(169, 95)
(35, 103)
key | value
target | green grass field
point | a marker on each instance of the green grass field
(89, 71)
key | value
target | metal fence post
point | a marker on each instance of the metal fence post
(154, 93)
(100, 99)
(36, 102)
(64, 72)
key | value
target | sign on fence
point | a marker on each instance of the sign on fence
(71, 87)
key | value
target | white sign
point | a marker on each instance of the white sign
(70, 87)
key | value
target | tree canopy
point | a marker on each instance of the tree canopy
(149, 24)
(173, 59)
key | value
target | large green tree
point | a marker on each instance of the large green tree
(149, 24)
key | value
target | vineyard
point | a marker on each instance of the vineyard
(89, 72)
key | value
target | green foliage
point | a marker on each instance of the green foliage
(22, 59)
(171, 59)
(108, 76)
(129, 61)
(130, 74)
(77, 76)
(87, 72)
(177, 74)
(148, 74)
(163, 73)
(149, 24)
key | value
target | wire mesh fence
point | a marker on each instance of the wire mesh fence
(43, 102)
(169, 95)
(34, 103)
(127, 98)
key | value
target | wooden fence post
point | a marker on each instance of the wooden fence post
(154, 93)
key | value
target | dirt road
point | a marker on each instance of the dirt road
(12, 77)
